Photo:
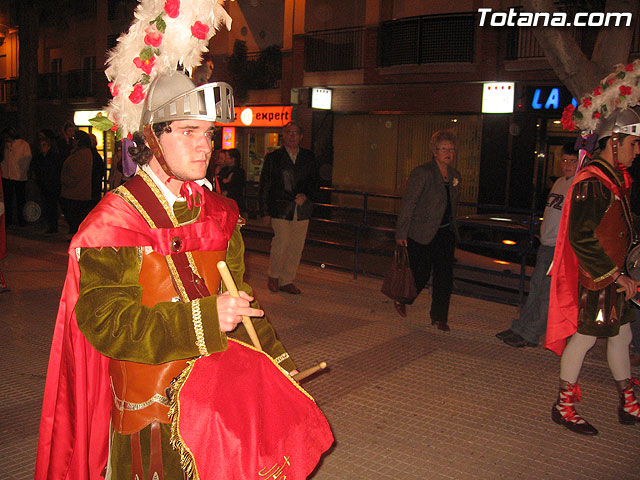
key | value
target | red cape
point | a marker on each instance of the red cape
(562, 320)
(74, 427)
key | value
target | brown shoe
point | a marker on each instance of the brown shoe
(400, 308)
(290, 288)
(635, 359)
(273, 284)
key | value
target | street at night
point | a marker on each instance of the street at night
(404, 400)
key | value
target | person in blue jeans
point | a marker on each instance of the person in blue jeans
(532, 322)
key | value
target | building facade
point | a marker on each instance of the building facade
(397, 71)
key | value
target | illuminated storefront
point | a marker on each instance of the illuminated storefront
(255, 133)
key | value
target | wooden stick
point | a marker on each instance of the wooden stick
(233, 291)
(309, 371)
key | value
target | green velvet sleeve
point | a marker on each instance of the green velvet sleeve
(110, 314)
(266, 333)
(588, 205)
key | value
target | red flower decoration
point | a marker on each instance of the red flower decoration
(625, 90)
(597, 91)
(145, 65)
(586, 102)
(596, 115)
(611, 80)
(629, 67)
(172, 8)
(137, 95)
(199, 30)
(113, 88)
(115, 128)
(567, 118)
(153, 37)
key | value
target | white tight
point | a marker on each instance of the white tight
(617, 355)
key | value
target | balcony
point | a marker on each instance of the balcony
(331, 50)
(427, 39)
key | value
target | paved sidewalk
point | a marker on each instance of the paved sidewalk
(405, 400)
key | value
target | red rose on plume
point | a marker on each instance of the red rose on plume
(172, 7)
(625, 90)
(597, 91)
(596, 115)
(153, 37)
(113, 88)
(567, 118)
(137, 95)
(199, 30)
(586, 102)
(145, 65)
(629, 67)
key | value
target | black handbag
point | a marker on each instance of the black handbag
(399, 285)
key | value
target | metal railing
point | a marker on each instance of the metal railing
(427, 39)
(340, 49)
(367, 232)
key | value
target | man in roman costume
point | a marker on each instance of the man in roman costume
(589, 288)
(142, 297)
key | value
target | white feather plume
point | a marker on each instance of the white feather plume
(178, 46)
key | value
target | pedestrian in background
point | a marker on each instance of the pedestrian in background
(98, 170)
(233, 178)
(75, 195)
(15, 168)
(427, 224)
(67, 139)
(288, 185)
(47, 167)
(217, 163)
(532, 321)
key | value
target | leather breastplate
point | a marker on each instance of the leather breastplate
(140, 390)
(614, 237)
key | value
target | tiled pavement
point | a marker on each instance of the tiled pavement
(405, 401)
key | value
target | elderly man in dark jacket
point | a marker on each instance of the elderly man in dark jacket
(288, 185)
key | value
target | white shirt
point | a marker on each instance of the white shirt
(553, 211)
(168, 194)
(17, 158)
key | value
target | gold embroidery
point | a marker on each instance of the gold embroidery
(608, 274)
(281, 358)
(131, 406)
(197, 326)
(167, 208)
(128, 196)
(187, 460)
(276, 471)
(161, 198)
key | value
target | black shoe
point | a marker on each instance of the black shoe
(517, 341)
(441, 325)
(504, 334)
(582, 428)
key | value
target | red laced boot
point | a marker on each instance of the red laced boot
(564, 413)
(628, 408)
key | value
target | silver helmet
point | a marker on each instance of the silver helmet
(175, 97)
(625, 121)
